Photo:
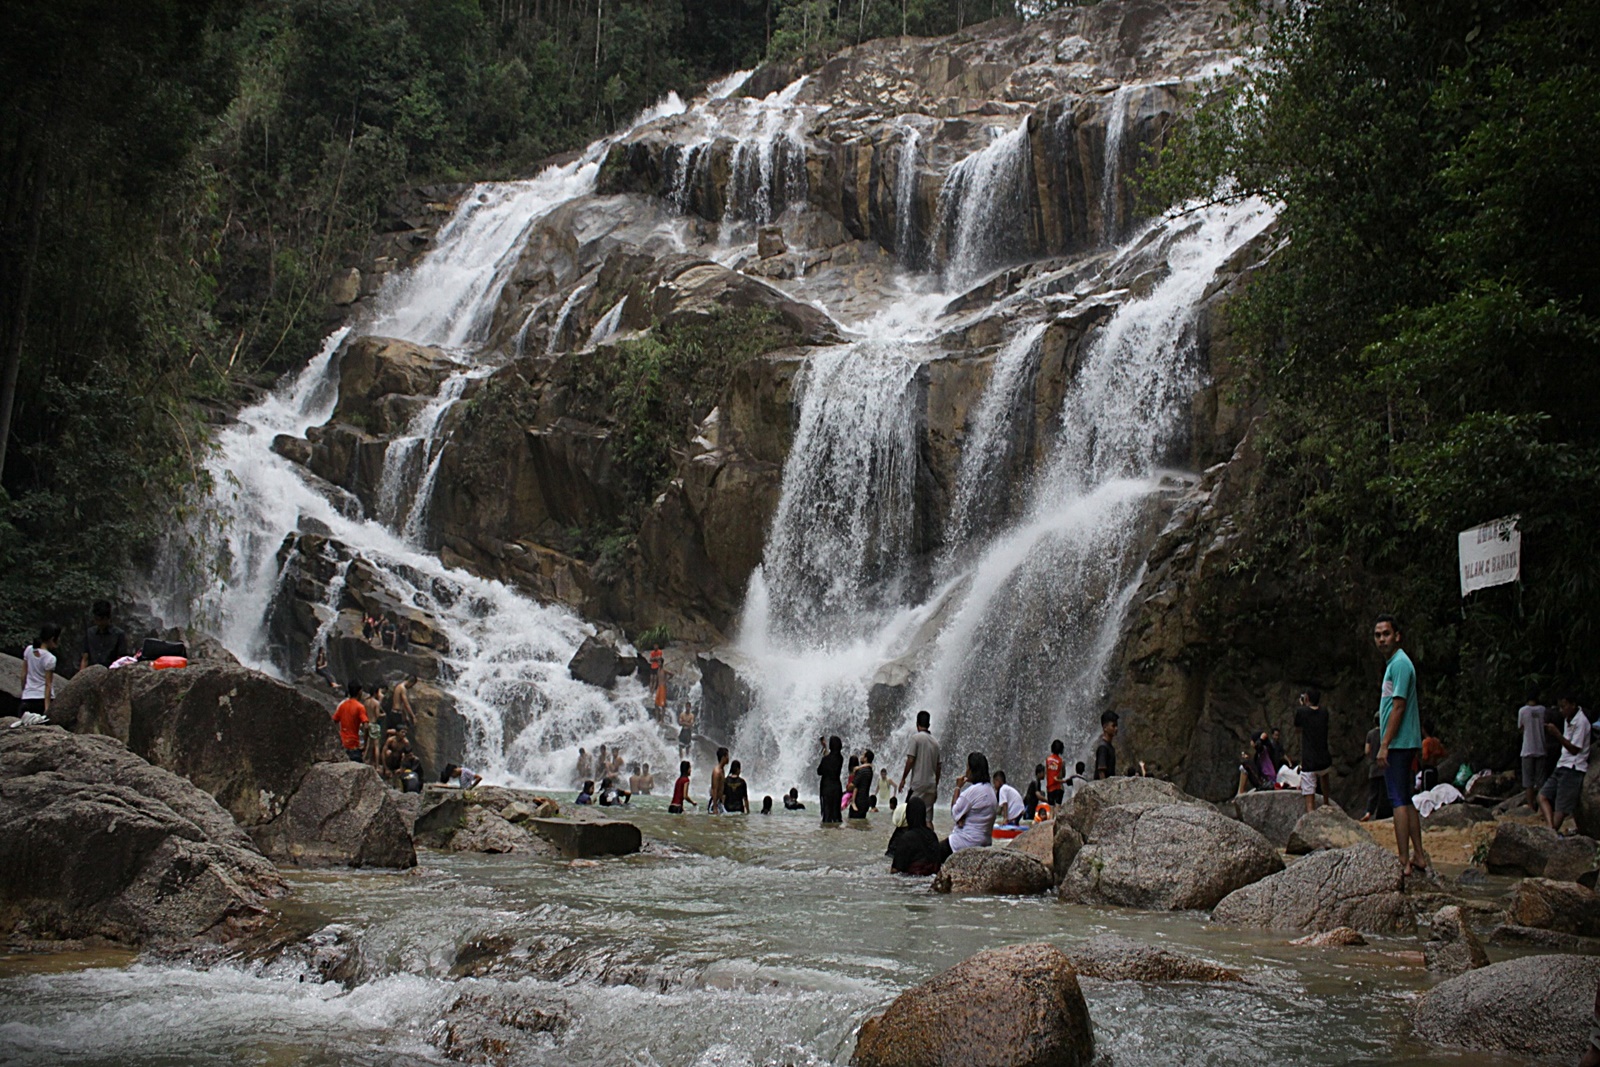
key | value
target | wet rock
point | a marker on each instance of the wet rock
(1271, 812)
(1359, 887)
(725, 697)
(1537, 1005)
(243, 737)
(1457, 816)
(1513, 936)
(1338, 937)
(1538, 852)
(1326, 827)
(489, 1028)
(1008, 1007)
(1452, 948)
(1037, 841)
(1547, 904)
(1166, 857)
(438, 818)
(1122, 959)
(992, 872)
(597, 662)
(1066, 842)
(96, 842)
(1091, 798)
(342, 815)
(294, 449)
(344, 287)
(583, 838)
(482, 830)
(373, 368)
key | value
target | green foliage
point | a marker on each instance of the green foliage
(658, 636)
(1426, 337)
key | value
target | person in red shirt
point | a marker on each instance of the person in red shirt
(351, 715)
(680, 790)
(1055, 769)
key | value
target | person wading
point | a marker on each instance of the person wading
(830, 788)
(922, 766)
(1400, 741)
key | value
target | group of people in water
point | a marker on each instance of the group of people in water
(606, 768)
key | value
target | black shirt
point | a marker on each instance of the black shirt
(915, 851)
(104, 648)
(828, 770)
(735, 794)
(1105, 759)
(1313, 726)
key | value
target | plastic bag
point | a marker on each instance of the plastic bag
(1463, 775)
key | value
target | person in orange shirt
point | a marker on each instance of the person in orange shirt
(351, 715)
(1055, 769)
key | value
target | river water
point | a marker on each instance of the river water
(730, 940)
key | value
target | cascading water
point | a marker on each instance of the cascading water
(1111, 171)
(984, 207)
(981, 492)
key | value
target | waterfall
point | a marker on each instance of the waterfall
(905, 200)
(984, 207)
(766, 155)
(982, 487)
(606, 328)
(1111, 169)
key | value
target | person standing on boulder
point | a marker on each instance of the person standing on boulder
(1400, 743)
(1311, 719)
(1559, 796)
(1055, 773)
(351, 715)
(830, 788)
(39, 671)
(1105, 753)
(103, 643)
(401, 702)
(922, 766)
(1530, 720)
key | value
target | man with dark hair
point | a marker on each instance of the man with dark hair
(1400, 740)
(1105, 753)
(103, 643)
(1530, 720)
(1311, 719)
(1055, 773)
(351, 715)
(718, 776)
(1558, 798)
(735, 793)
(922, 765)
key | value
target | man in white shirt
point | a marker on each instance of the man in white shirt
(1530, 719)
(1010, 801)
(1559, 797)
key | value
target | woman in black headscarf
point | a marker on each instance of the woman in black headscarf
(913, 848)
(831, 789)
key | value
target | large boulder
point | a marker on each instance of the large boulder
(243, 737)
(1005, 1007)
(341, 816)
(1166, 856)
(1326, 827)
(1065, 844)
(1452, 948)
(1360, 887)
(95, 842)
(1091, 798)
(582, 838)
(1122, 959)
(597, 662)
(992, 872)
(1036, 841)
(1457, 816)
(1537, 1005)
(1271, 812)
(1539, 852)
(482, 830)
(1510, 935)
(1548, 904)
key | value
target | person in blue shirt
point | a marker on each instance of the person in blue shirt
(1400, 740)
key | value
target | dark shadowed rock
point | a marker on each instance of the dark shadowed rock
(1537, 1005)
(1006, 1007)
(1588, 817)
(1122, 959)
(1513, 936)
(1547, 904)
(992, 872)
(341, 816)
(1271, 812)
(95, 842)
(1452, 948)
(1326, 827)
(1166, 856)
(1359, 887)
(1457, 816)
(596, 662)
(1538, 852)
(582, 838)
(1338, 937)
(1093, 797)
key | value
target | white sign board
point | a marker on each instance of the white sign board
(1491, 554)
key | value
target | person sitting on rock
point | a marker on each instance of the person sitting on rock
(410, 772)
(586, 793)
(791, 801)
(321, 670)
(394, 748)
(974, 808)
(914, 849)
(1010, 801)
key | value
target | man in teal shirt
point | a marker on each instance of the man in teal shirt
(1400, 744)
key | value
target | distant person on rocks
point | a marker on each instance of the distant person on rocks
(395, 746)
(103, 643)
(1011, 807)
(685, 730)
(374, 706)
(1055, 772)
(1033, 798)
(463, 776)
(861, 782)
(656, 660)
(402, 637)
(585, 793)
(975, 807)
(369, 627)
(1377, 789)
(401, 703)
(388, 631)
(1400, 744)
(830, 788)
(661, 696)
(351, 715)
(914, 849)
(735, 793)
(39, 671)
(585, 764)
(1558, 798)
(1531, 718)
(922, 767)
(321, 669)
(719, 775)
(680, 790)
(1311, 719)
(791, 801)
(1105, 753)
(766, 805)
(410, 772)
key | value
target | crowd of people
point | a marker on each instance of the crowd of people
(375, 727)
(606, 768)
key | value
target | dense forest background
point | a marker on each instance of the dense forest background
(181, 177)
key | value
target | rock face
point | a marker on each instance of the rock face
(1166, 857)
(598, 662)
(342, 815)
(1122, 959)
(1452, 948)
(1537, 1005)
(1039, 842)
(583, 838)
(1273, 813)
(243, 737)
(1538, 852)
(95, 842)
(1589, 802)
(992, 872)
(1359, 887)
(1326, 827)
(1547, 904)
(1007, 1007)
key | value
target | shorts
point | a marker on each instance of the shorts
(1398, 775)
(1533, 775)
(1056, 796)
(375, 731)
(354, 754)
(674, 809)
(1308, 782)
(1562, 789)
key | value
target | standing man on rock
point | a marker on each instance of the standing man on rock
(351, 715)
(1400, 740)
(1559, 796)
(1311, 719)
(103, 643)
(1055, 773)
(1530, 720)
(922, 765)
(1105, 753)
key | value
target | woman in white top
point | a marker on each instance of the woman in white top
(975, 805)
(39, 670)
